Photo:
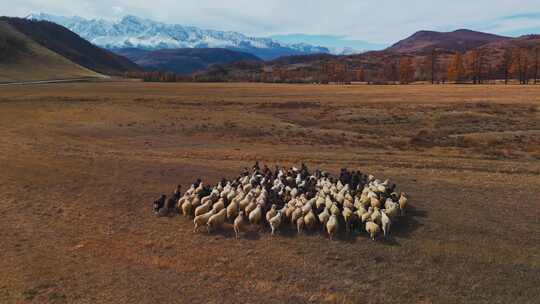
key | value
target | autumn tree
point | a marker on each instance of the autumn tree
(430, 65)
(476, 65)
(536, 63)
(406, 70)
(360, 75)
(456, 70)
(520, 65)
(506, 64)
(390, 71)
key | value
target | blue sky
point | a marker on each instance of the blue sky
(337, 23)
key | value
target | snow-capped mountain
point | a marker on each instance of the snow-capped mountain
(135, 32)
(345, 51)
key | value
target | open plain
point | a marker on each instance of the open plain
(81, 164)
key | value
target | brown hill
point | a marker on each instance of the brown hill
(70, 45)
(460, 40)
(22, 59)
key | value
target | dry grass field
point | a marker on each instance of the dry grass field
(81, 164)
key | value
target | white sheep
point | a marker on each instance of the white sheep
(271, 213)
(190, 191)
(288, 211)
(247, 187)
(361, 210)
(324, 216)
(255, 215)
(239, 223)
(275, 221)
(375, 202)
(300, 223)
(376, 215)
(332, 226)
(195, 202)
(334, 210)
(216, 221)
(250, 207)
(199, 189)
(319, 202)
(372, 229)
(232, 210)
(244, 202)
(203, 208)
(295, 215)
(392, 212)
(403, 203)
(389, 203)
(310, 220)
(328, 202)
(367, 216)
(347, 216)
(187, 207)
(208, 198)
(220, 205)
(182, 200)
(231, 195)
(202, 219)
(385, 223)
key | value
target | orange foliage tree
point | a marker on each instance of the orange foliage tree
(456, 71)
(475, 65)
(406, 70)
(520, 65)
(506, 64)
(360, 75)
(430, 65)
(536, 63)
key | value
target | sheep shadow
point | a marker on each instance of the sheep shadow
(252, 234)
(389, 240)
(408, 223)
(415, 212)
(404, 227)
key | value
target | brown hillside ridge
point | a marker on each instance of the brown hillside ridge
(70, 45)
(22, 59)
(461, 40)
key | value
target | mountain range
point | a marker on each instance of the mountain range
(42, 49)
(140, 33)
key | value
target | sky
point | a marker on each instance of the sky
(335, 23)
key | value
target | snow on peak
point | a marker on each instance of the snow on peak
(136, 32)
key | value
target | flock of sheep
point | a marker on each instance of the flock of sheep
(295, 197)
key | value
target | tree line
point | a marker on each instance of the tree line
(477, 66)
(518, 63)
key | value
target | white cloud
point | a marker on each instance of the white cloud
(516, 24)
(380, 21)
(118, 10)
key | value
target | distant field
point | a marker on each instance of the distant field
(82, 162)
